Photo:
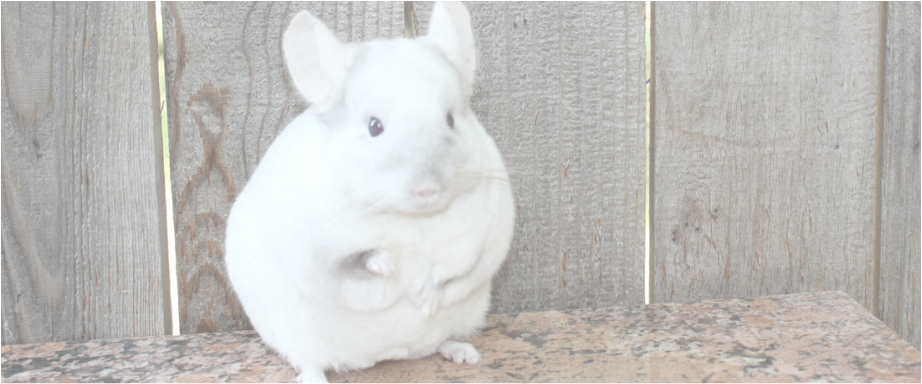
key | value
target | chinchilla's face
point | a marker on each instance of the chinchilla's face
(403, 128)
(402, 136)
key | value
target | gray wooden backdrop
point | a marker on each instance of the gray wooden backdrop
(785, 152)
(84, 216)
(765, 150)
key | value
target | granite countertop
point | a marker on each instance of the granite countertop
(800, 337)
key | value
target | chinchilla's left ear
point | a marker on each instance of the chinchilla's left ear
(450, 29)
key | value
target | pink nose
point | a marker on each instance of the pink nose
(427, 190)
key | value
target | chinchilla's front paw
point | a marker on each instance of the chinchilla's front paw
(426, 293)
(380, 263)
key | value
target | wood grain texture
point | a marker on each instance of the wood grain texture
(230, 106)
(561, 88)
(229, 96)
(764, 149)
(900, 174)
(84, 222)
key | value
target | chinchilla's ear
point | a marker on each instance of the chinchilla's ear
(450, 29)
(314, 56)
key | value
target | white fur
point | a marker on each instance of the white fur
(347, 249)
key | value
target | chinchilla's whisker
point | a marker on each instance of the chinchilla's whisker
(497, 176)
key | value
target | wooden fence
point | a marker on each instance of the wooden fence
(84, 215)
(785, 153)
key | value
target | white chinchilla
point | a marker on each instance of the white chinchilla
(372, 227)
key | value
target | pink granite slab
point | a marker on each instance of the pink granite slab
(826, 337)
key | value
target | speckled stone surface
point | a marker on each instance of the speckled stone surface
(825, 337)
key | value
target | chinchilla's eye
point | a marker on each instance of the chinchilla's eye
(375, 127)
(451, 121)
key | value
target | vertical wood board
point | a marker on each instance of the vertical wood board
(900, 174)
(229, 95)
(764, 152)
(561, 88)
(84, 223)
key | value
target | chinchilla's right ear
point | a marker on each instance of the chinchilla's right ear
(314, 56)
(450, 29)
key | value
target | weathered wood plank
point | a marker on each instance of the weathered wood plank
(581, 215)
(562, 90)
(900, 174)
(561, 87)
(84, 222)
(229, 97)
(764, 149)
